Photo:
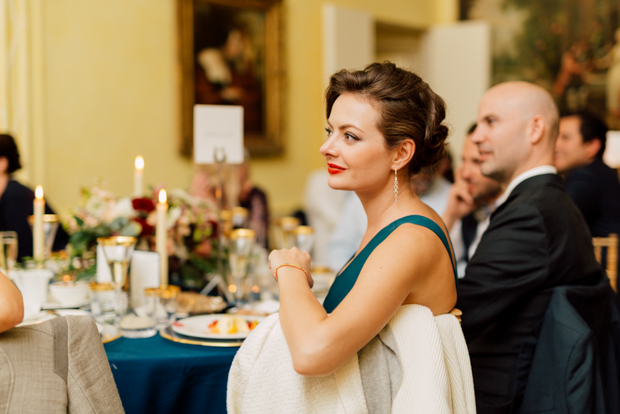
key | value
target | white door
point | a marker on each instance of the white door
(456, 63)
(348, 39)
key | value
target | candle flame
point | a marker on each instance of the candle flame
(232, 288)
(162, 196)
(139, 163)
(38, 193)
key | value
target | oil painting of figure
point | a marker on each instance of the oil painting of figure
(570, 47)
(229, 46)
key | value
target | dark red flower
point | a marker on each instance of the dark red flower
(143, 204)
(147, 229)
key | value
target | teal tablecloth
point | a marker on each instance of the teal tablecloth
(154, 375)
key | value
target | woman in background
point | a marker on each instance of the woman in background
(16, 201)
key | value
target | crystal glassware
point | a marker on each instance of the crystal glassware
(133, 322)
(284, 232)
(239, 250)
(304, 238)
(162, 303)
(8, 252)
(50, 227)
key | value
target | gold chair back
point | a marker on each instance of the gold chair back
(611, 243)
(456, 312)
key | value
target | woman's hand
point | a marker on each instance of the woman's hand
(292, 256)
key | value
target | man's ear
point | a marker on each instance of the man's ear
(592, 148)
(404, 154)
(535, 129)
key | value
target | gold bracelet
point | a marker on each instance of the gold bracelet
(289, 265)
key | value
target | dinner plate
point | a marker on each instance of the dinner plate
(52, 304)
(108, 333)
(198, 326)
(171, 335)
(37, 318)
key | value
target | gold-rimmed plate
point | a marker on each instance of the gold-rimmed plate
(108, 333)
(198, 326)
(170, 335)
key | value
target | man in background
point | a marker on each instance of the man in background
(536, 242)
(470, 204)
(591, 184)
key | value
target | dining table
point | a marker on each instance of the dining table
(158, 376)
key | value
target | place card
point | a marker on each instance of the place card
(103, 270)
(218, 129)
(144, 270)
(612, 149)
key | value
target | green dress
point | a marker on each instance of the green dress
(347, 278)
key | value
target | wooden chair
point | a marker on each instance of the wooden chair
(611, 243)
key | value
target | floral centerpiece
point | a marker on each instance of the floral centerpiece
(191, 224)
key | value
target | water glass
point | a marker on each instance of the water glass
(103, 302)
(8, 252)
(162, 304)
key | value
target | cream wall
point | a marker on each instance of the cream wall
(110, 93)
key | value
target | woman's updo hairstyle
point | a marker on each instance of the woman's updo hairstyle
(8, 149)
(407, 106)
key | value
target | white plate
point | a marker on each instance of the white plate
(198, 326)
(52, 304)
(38, 318)
(108, 333)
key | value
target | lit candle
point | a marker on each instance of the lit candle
(38, 238)
(162, 238)
(137, 176)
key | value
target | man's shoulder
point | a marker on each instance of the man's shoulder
(597, 173)
(534, 194)
(16, 189)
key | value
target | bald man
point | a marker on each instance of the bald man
(536, 240)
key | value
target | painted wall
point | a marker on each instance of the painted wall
(110, 93)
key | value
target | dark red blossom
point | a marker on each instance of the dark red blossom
(147, 229)
(143, 204)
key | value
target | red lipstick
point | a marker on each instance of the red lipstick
(334, 169)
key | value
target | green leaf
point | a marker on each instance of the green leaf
(132, 229)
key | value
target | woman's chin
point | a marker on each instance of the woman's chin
(337, 184)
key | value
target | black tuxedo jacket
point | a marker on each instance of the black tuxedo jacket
(536, 240)
(595, 189)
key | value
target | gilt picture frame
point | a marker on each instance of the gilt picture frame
(231, 53)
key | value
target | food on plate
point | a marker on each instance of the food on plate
(230, 324)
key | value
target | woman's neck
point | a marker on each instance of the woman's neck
(381, 208)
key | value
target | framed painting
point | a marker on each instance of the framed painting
(570, 47)
(231, 54)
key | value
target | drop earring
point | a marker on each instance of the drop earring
(395, 185)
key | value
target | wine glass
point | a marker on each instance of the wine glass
(50, 228)
(133, 322)
(304, 238)
(239, 250)
(284, 232)
(8, 253)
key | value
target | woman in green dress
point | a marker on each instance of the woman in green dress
(384, 124)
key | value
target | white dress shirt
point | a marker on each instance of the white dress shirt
(543, 169)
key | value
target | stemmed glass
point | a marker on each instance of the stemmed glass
(8, 253)
(304, 238)
(50, 228)
(239, 250)
(117, 251)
